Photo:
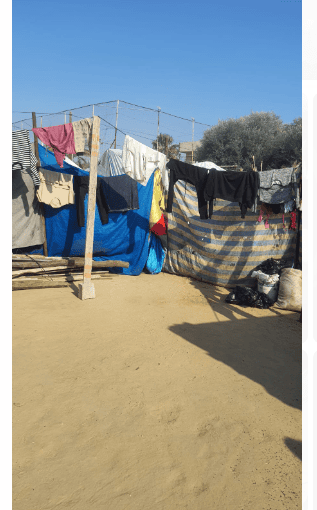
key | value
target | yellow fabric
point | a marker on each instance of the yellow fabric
(56, 189)
(158, 200)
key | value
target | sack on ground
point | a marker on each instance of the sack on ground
(290, 290)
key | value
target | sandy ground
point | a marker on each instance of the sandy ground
(156, 395)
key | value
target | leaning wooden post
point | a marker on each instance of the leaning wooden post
(87, 289)
(36, 150)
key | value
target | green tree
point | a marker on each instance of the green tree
(164, 144)
(260, 134)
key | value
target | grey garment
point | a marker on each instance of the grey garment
(298, 187)
(27, 228)
(277, 186)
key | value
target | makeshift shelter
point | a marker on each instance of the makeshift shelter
(124, 237)
(224, 249)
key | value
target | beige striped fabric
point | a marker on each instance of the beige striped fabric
(225, 249)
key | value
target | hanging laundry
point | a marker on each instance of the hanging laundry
(277, 186)
(140, 161)
(293, 221)
(27, 226)
(273, 208)
(56, 189)
(121, 193)
(289, 206)
(158, 200)
(59, 138)
(192, 174)
(233, 186)
(82, 134)
(298, 187)
(81, 186)
(22, 153)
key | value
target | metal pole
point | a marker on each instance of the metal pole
(193, 131)
(158, 127)
(115, 134)
(65, 119)
(41, 121)
(71, 156)
(93, 110)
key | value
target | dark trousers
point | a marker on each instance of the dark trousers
(81, 186)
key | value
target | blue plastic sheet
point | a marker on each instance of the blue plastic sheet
(156, 255)
(124, 238)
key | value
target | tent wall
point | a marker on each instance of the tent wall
(226, 248)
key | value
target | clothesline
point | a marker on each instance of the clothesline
(125, 102)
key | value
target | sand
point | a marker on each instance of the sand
(155, 395)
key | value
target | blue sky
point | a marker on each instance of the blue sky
(200, 59)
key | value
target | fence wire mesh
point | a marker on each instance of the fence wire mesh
(141, 123)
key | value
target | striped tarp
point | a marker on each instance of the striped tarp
(225, 249)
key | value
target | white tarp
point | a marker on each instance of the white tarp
(210, 165)
(110, 163)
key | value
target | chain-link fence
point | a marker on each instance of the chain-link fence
(119, 118)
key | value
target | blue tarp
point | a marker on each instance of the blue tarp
(125, 237)
(156, 255)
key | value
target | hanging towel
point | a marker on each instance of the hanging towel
(22, 153)
(82, 134)
(56, 189)
(158, 201)
(27, 226)
(140, 161)
(60, 138)
(239, 187)
(121, 193)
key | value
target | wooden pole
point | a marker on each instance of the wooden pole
(36, 149)
(87, 289)
(115, 133)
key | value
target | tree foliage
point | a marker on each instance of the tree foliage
(260, 134)
(164, 144)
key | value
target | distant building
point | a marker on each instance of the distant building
(188, 148)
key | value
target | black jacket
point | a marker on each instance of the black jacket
(189, 173)
(239, 187)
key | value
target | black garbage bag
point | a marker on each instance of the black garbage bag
(273, 266)
(249, 297)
